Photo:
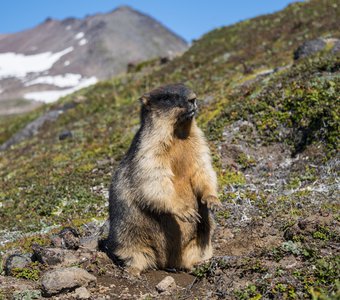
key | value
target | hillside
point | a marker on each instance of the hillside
(269, 90)
(56, 57)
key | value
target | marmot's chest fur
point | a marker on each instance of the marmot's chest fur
(183, 156)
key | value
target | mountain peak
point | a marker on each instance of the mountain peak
(124, 8)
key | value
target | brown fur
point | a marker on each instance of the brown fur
(161, 192)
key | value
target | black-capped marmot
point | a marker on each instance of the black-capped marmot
(163, 188)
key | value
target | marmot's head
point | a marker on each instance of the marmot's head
(175, 102)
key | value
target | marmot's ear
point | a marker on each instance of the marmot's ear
(145, 99)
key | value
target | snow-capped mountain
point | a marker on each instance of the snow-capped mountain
(59, 57)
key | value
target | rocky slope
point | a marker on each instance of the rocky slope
(270, 110)
(58, 57)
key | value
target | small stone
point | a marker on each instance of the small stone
(65, 135)
(218, 272)
(49, 256)
(289, 262)
(164, 60)
(288, 234)
(16, 261)
(57, 241)
(66, 279)
(299, 205)
(70, 237)
(82, 293)
(302, 224)
(166, 285)
(89, 242)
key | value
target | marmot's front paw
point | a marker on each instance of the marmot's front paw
(212, 202)
(188, 215)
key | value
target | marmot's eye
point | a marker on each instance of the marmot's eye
(193, 100)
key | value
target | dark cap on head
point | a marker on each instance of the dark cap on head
(170, 90)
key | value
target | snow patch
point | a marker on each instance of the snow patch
(82, 42)
(67, 63)
(69, 27)
(52, 96)
(19, 65)
(67, 80)
(79, 35)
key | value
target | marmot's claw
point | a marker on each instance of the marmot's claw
(212, 202)
(189, 215)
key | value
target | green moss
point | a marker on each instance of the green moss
(31, 272)
(323, 233)
(25, 244)
(231, 177)
(250, 292)
(253, 266)
(202, 271)
(245, 161)
(319, 235)
(223, 215)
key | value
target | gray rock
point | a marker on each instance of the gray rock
(166, 285)
(65, 135)
(308, 48)
(15, 261)
(32, 128)
(70, 238)
(89, 242)
(103, 234)
(66, 279)
(336, 47)
(104, 230)
(60, 257)
(49, 256)
(81, 293)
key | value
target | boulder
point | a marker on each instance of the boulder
(60, 257)
(16, 261)
(308, 48)
(66, 279)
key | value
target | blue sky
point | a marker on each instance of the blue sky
(189, 18)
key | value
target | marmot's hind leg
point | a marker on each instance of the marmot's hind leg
(193, 253)
(137, 260)
(200, 248)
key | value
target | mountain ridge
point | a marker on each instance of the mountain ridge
(97, 46)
